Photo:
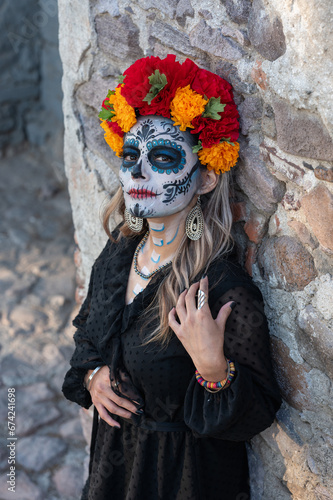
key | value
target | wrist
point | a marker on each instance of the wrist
(216, 372)
(89, 376)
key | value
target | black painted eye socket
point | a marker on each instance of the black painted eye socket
(164, 158)
(130, 157)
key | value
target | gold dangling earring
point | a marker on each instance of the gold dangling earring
(134, 223)
(194, 224)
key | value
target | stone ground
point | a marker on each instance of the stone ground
(37, 283)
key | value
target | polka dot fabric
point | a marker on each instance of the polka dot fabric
(188, 444)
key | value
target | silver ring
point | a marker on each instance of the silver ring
(202, 299)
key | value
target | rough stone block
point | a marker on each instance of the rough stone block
(266, 35)
(212, 41)
(282, 167)
(323, 173)
(171, 37)
(303, 233)
(301, 133)
(255, 227)
(25, 488)
(238, 10)
(291, 377)
(284, 261)
(257, 182)
(69, 481)
(93, 93)
(318, 208)
(38, 452)
(168, 7)
(319, 336)
(250, 110)
(250, 257)
(118, 37)
(259, 76)
(268, 121)
(184, 10)
(290, 201)
(229, 72)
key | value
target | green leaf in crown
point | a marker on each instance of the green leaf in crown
(157, 81)
(213, 108)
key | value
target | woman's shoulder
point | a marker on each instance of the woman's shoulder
(226, 272)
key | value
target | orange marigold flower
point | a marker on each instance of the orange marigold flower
(185, 106)
(125, 114)
(220, 157)
(114, 140)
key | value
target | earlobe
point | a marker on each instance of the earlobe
(209, 181)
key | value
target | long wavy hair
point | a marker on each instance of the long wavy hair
(193, 257)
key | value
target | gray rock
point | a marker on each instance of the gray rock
(212, 41)
(171, 37)
(229, 72)
(26, 318)
(250, 110)
(286, 263)
(25, 489)
(15, 371)
(268, 126)
(69, 481)
(38, 452)
(184, 10)
(301, 133)
(93, 93)
(34, 393)
(318, 343)
(32, 417)
(238, 10)
(118, 37)
(168, 7)
(257, 182)
(72, 429)
(266, 35)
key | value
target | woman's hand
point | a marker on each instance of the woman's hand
(200, 334)
(105, 399)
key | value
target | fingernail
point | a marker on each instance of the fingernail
(139, 412)
(233, 305)
(203, 276)
(183, 290)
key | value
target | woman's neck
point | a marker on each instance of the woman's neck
(165, 235)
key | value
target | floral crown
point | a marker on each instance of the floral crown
(192, 97)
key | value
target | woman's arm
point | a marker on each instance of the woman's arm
(249, 404)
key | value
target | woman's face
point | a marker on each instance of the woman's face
(159, 174)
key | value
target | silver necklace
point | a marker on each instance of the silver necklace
(135, 260)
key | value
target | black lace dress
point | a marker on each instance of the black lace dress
(188, 444)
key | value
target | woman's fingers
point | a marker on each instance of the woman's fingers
(105, 416)
(181, 307)
(190, 301)
(173, 323)
(203, 286)
(224, 314)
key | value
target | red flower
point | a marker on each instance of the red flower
(137, 84)
(211, 85)
(212, 131)
(115, 128)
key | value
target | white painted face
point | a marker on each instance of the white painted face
(159, 174)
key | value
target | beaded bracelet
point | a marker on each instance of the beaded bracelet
(217, 386)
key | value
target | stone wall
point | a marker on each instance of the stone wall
(278, 57)
(30, 78)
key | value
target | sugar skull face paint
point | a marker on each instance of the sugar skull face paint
(159, 174)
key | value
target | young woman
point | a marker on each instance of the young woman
(172, 345)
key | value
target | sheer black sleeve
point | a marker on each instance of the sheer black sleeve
(86, 356)
(249, 404)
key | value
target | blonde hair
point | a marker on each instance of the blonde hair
(193, 257)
